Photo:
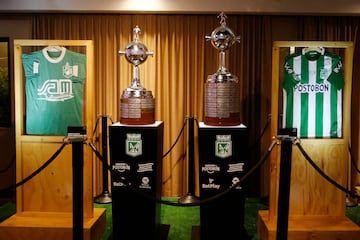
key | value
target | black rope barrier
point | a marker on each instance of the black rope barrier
(42, 167)
(318, 169)
(97, 122)
(177, 139)
(92, 146)
(246, 175)
(200, 202)
(353, 163)
(7, 167)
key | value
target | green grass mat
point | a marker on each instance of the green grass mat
(182, 219)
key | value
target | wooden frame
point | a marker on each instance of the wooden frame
(45, 202)
(313, 200)
(58, 177)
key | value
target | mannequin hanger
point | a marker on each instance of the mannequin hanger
(54, 48)
(313, 53)
(54, 53)
(320, 50)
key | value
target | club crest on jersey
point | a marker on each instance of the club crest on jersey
(133, 144)
(223, 146)
(69, 71)
(324, 73)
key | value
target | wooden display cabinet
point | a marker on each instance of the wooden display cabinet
(44, 203)
(316, 207)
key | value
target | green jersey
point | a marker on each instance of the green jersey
(312, 89)
(54, 90)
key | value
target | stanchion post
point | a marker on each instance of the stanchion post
(191, 157)
(284, 188)
(78, 173)
(190, 196)
(77, 136)
(105, 196)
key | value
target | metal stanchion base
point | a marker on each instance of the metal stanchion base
(350, 202)
(103, 198)
(188, 198)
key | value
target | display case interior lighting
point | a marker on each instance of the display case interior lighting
(142, 5)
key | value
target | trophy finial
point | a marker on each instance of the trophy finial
(137, 32)
(222, 37)
(223, 18)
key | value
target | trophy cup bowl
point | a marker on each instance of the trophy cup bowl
(136, 53)
(222, 38)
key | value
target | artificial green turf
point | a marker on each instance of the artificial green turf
(7, 210)
(109, 226)
(182, 219)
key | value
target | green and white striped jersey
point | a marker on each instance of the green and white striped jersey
(312, 88)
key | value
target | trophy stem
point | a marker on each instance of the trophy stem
(222, 67)
(136, 78)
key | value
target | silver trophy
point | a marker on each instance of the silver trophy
(137, 103)
(222, 90)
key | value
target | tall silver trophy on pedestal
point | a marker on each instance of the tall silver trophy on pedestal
(222, 89)
(137, 103)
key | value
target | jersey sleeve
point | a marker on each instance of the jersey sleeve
(31, 65)
(336, 77)
(290, 78)
(78, 62)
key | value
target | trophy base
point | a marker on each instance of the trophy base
(146, 118)
(233, 120)
(137, 110)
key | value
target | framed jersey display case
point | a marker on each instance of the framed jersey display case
(311, 92)
(54, 89)
(39, 85)
(313, 82)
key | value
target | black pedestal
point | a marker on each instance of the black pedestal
(223, 153)
(136, 169)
